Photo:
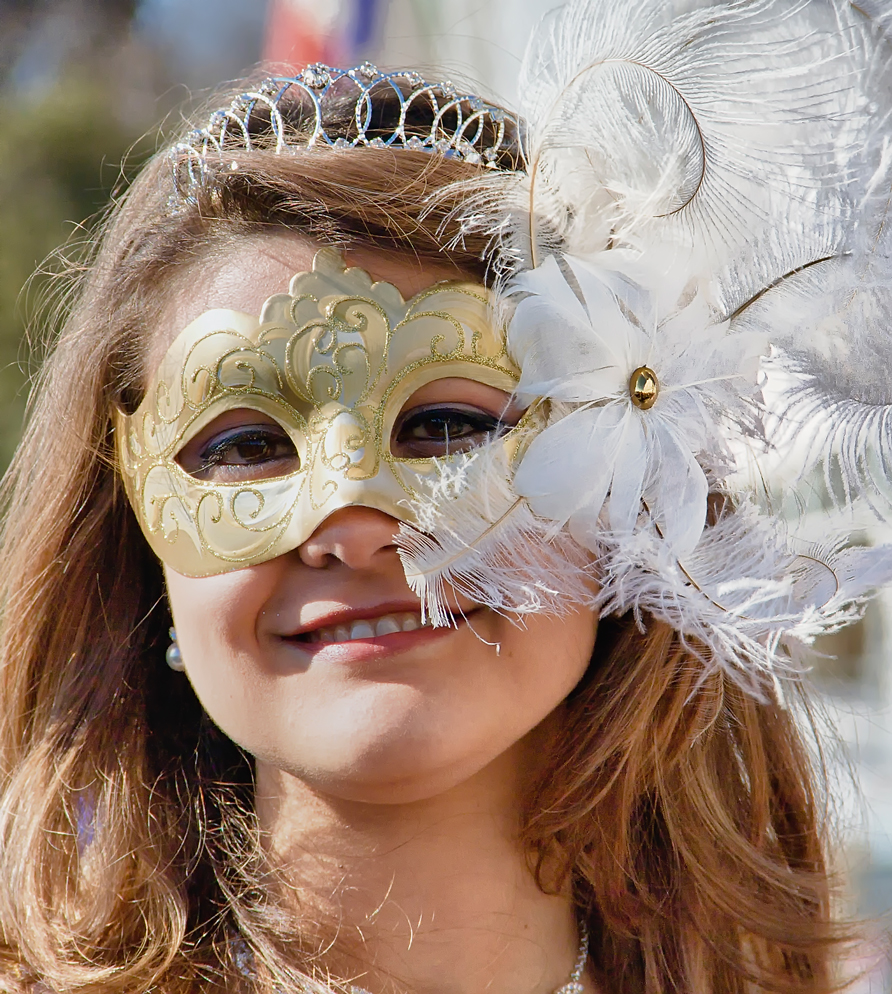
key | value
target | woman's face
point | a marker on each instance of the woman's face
(316, 662)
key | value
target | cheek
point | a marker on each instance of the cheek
(216, 624)
(548, 656)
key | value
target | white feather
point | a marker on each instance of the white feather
(475, 536)
(717, 131)
(745, 601)
(832, 327)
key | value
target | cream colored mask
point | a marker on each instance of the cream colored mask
(332, 363)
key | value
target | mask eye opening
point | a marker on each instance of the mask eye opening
(242, 446)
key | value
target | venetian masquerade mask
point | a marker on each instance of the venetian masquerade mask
(329, 367)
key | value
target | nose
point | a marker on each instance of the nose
(354, 536)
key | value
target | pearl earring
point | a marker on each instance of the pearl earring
(173, 655)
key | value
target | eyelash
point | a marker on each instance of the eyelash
(480, 423)
(215, 452)
(219, 457)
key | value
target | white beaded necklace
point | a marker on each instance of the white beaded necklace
(575, 985)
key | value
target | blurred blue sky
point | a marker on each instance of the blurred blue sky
(199, 42)
(45, 50)
(205, 38)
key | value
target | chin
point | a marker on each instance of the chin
(397, 788)
(396, 769)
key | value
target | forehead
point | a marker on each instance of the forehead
(242, 275)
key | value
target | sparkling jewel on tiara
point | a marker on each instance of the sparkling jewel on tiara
(461, 125)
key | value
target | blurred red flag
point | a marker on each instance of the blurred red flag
(337, 32)
(299, 32)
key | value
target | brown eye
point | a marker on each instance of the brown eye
(438, 430)
(245, 452)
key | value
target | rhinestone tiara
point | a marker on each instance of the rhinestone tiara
(456, 124)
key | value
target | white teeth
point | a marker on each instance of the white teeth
(362, 630)
(388, 624)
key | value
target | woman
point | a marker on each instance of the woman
(488, 661)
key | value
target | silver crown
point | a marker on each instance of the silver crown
(462, 125)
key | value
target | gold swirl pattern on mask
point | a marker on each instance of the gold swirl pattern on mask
(333, 361)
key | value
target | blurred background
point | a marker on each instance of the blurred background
(85, 84)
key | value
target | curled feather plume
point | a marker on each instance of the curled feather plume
(746, 600)
(717, 131)
(832, 328)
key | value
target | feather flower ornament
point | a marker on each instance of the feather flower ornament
(648, 382)
(703, 186)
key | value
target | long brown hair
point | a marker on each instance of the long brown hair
(685, 813)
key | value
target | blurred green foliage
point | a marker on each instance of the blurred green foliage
(60, 159)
